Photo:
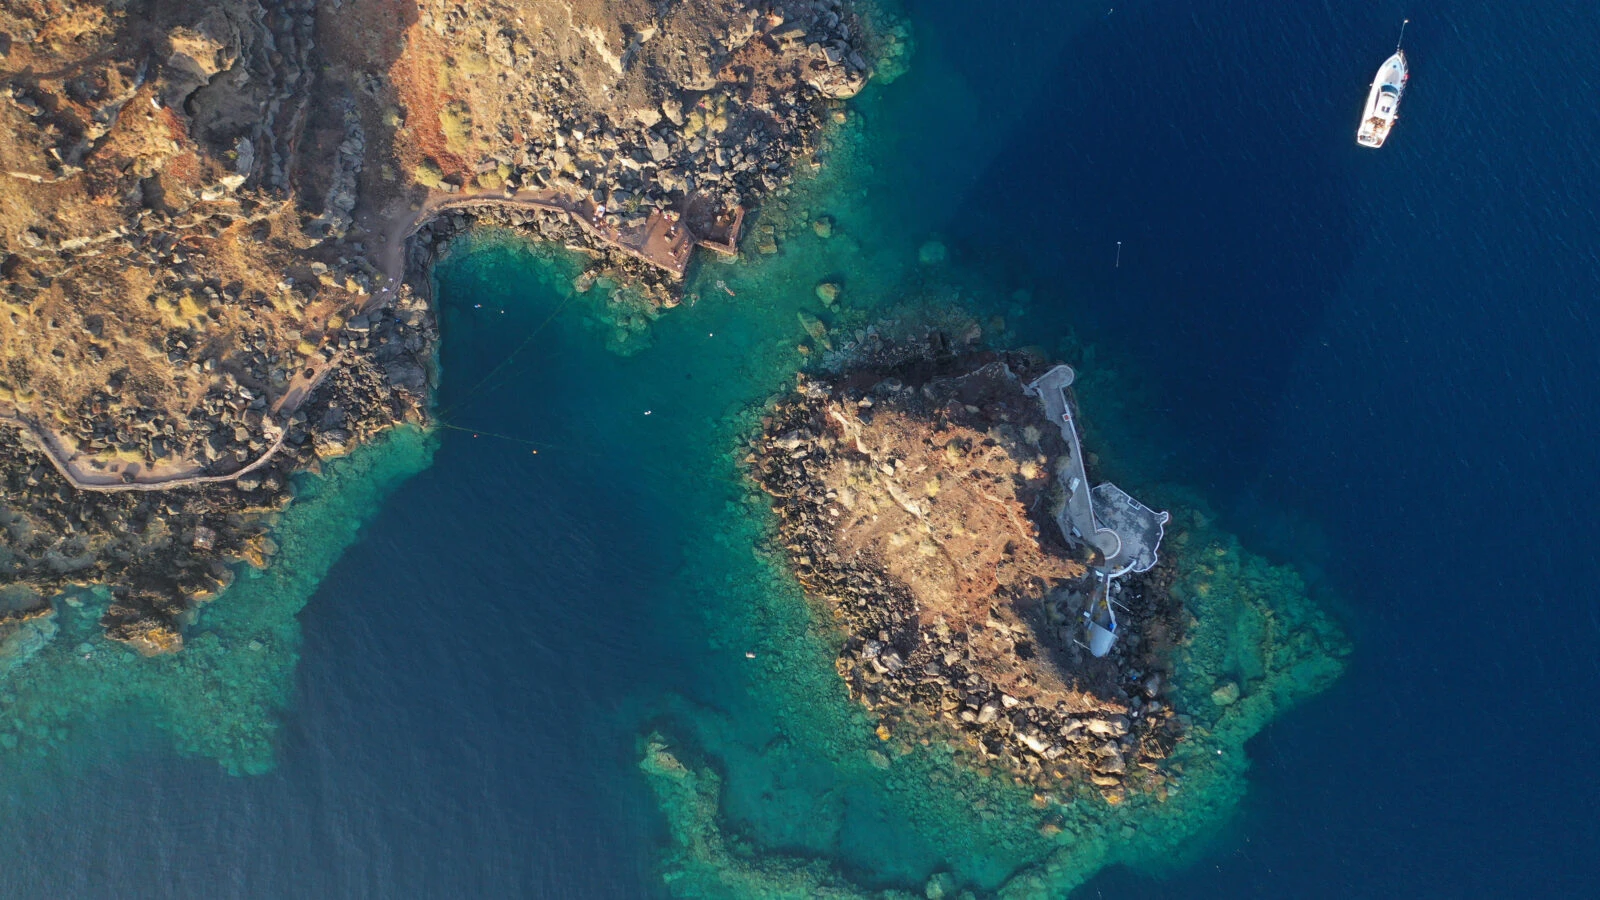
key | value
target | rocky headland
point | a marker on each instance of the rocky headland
(217, 223)
(916, 497)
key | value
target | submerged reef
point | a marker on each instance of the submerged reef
(989, 836)
(705, 861)
(1217, 643)
(217, 275)
(218, 221)
(163, 553)
(221, 697)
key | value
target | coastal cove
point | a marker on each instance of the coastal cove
(659, 645)
(551, 646)
(579, 436)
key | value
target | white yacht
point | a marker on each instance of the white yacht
(1383, 101)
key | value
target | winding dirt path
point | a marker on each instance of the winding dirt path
(661, 242)
(73, 465)
(55, 450)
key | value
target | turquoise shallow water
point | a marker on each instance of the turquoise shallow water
(470, 691)
(579, 569)
(729, 666)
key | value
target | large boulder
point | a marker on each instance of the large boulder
(199, 52)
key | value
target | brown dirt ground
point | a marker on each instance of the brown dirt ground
(955, 513)
(135, 279)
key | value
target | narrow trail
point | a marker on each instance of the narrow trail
(661, 243)
(54, 450)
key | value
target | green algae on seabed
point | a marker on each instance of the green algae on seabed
(709, 862)
(617, 312)
(820, 794)
(1255, 645)
(810, 801)
(222, 695)
(797, 795)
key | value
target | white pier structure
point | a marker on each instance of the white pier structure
(1125, 533)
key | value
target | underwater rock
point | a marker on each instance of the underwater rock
(704, 862)
(940, 886)
(20, 639)
(814, 327)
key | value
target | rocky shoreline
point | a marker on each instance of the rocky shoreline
(216, 236)
(915, 503)
(164, 552)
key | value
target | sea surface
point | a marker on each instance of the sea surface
(1379, 368)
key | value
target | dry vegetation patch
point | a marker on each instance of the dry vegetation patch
(206, 209)
(917, 504)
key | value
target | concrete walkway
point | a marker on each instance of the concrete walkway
(1077, 519)
(1125, 531)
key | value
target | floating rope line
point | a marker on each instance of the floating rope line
(473, 392)
(477, 432)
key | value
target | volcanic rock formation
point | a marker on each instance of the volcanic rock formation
(213, 217)
(916, 504)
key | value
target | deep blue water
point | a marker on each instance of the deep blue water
(1381, 366)
(457, 729)
(1387, 359)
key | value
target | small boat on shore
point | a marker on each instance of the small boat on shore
(1383, 101)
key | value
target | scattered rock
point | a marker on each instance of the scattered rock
(331, 443)
(912, 457)
(673, 110)
(232, 195)
(204, 538)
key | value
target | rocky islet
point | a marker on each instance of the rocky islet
(917, 503)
